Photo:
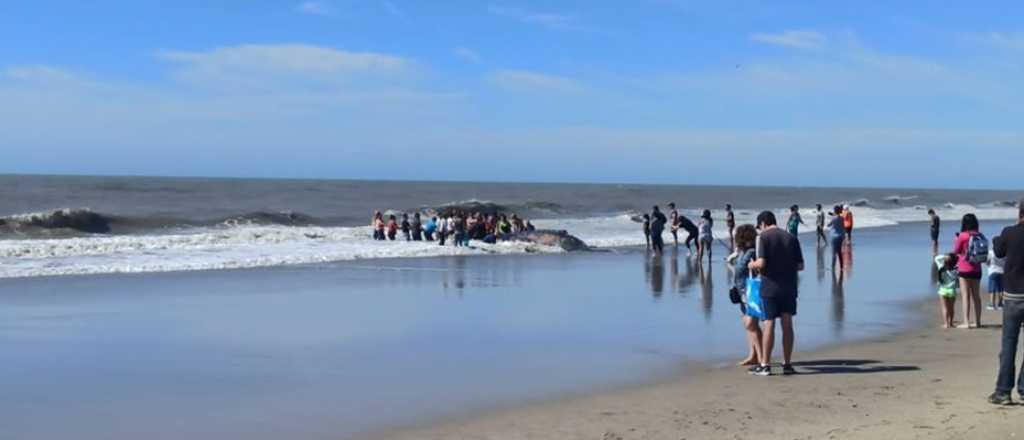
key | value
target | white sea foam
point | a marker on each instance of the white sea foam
(257, 246)
(229, 248)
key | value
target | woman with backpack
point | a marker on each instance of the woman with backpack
(971, 248)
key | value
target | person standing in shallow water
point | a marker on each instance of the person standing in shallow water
(848, 223)
(1009, 245)
(730, 224)
(705, 238)
(657, 227)
(406, 227)
(673, 221)
(793, 225)
(392, 227)
(838, 235)
(819, 223)
(417, 227)
(647, 230)
(936, 223)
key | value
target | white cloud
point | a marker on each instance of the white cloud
(314, 8)
(254, 64)
(796, 39)
(526, 81)
(39, 73)
(544, 19)
(1000, 40)
(467, 54)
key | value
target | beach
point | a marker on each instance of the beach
(454, 346)
(247, 309)
(926, 383)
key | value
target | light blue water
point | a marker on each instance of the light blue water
(330, 351)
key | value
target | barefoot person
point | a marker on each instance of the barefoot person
(657, 227)
(995, 279)
(746, 239)
(819, 223)
(779, 260)
(705, 238)
(1010, 246)
(848, 223)
(838, 234)
(673, 221)
(936, 223)
(949, 287)
(971, 247)
(691, 231)
(647, 230)
(730, 224)
(795, 220)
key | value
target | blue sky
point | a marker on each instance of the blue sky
(656, 91)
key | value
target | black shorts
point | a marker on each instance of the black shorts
(776, 306)
(935, 235)
(971, 276)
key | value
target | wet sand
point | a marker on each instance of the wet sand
(920, 384)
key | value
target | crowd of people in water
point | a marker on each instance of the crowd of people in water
(456, 228)
(838, 230)
(763, 257)
(765, 261)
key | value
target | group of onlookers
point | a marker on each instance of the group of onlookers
(654, 225)
(457, 227)
(960, 271)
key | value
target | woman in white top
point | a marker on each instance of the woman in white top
(995, 280)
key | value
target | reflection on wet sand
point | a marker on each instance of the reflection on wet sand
(689, 277)
(654, 270)
(838, 304)
(820, 263)
(847, 255)
(707, 291)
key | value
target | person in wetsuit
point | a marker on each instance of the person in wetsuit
(658, 221)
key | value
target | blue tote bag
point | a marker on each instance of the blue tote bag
(755, 305)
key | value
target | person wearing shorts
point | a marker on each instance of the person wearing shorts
(949, 286)
(838, 235)
(970, 272)
(779, 260)
(746, 241)
(995, 280)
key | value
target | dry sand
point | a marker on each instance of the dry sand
(922, 384)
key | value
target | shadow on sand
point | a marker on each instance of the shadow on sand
(848, 366)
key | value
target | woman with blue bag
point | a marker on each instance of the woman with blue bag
(744, 287)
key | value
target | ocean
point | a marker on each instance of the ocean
(115, 320)
(67, 225)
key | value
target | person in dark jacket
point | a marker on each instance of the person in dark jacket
(658, 221)
(1010, 246)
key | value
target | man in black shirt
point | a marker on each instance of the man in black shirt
(657, 226)
(779, 260)
(1010, 245)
